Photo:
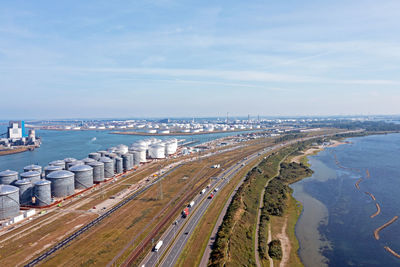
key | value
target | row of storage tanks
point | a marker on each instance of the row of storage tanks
(61, 177)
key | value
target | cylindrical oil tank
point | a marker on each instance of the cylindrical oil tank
(75, 163)
(25, 191)
(9, 201)
(130, 155)
(108, 167)
(98, 171)
(157, 151)
(170, 148)
(126, 161)
(136, 158)
(102, 153)
(33, 167)
(119, 165)
(60, 163)
(94, 155)
(8, 177)
(31, 175)
(42, 193)
(83, 176)
(67, 161)
(52, 168)
(87, 160)
(62, 183)
(122, 149)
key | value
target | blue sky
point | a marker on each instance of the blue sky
(198, 58)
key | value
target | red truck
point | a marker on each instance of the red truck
(211, 196)
(185, 212)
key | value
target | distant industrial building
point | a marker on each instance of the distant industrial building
(16, 130)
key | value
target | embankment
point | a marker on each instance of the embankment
(377, 230)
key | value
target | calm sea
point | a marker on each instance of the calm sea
(335, 227)
(78, 144)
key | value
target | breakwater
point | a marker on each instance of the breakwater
(380, 228)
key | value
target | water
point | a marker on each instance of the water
(335, 227)
(78, 144)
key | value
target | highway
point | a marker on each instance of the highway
(177, 235)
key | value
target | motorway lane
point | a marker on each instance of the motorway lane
(196, 214)
(180, 242)
(153, 257)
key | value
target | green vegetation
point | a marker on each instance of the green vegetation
(275, 249)
(237, 232)
(370, 126)
(277, 189)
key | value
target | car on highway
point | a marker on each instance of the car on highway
(216, 189)
(211, 196)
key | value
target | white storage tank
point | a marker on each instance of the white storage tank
(119, 167)
(67, 161)
(25, 191)
(95, 155)
(42, 193)
(52, 168)
(83, 176)
(31, 175)
(98, 171)
(123, 149)
(8, 177)
(9, 201)
(60, 163)
(33, 167)
(157, 151)
(75, 163)
(62, 183)
(108, 167)
(87, 160)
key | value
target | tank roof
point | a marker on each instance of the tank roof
(42, 182)
(69, 159)
(8, 173)
(95, 163)
(29, 174)
(6, 189)
(60, 174)
(80, 168)
(105, 159)
(22, 181)
(53, 168)
(32, 166)
(57, 162)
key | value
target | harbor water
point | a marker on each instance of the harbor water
(335, 227)
(78, 144)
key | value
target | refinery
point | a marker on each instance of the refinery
(38, 187)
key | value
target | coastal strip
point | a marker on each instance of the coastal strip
(178, 133)
(378, 211)
(391, 251)
(377, 230)
(371, 195)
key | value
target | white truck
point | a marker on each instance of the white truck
(191, 204)
(203, 191)
(158, 245)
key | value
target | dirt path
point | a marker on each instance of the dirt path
(271, 262)
(285, 242)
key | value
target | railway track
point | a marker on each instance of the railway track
(93, 223)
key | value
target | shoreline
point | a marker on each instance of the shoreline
(16, 150)
(177, 133)
(312, 248)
